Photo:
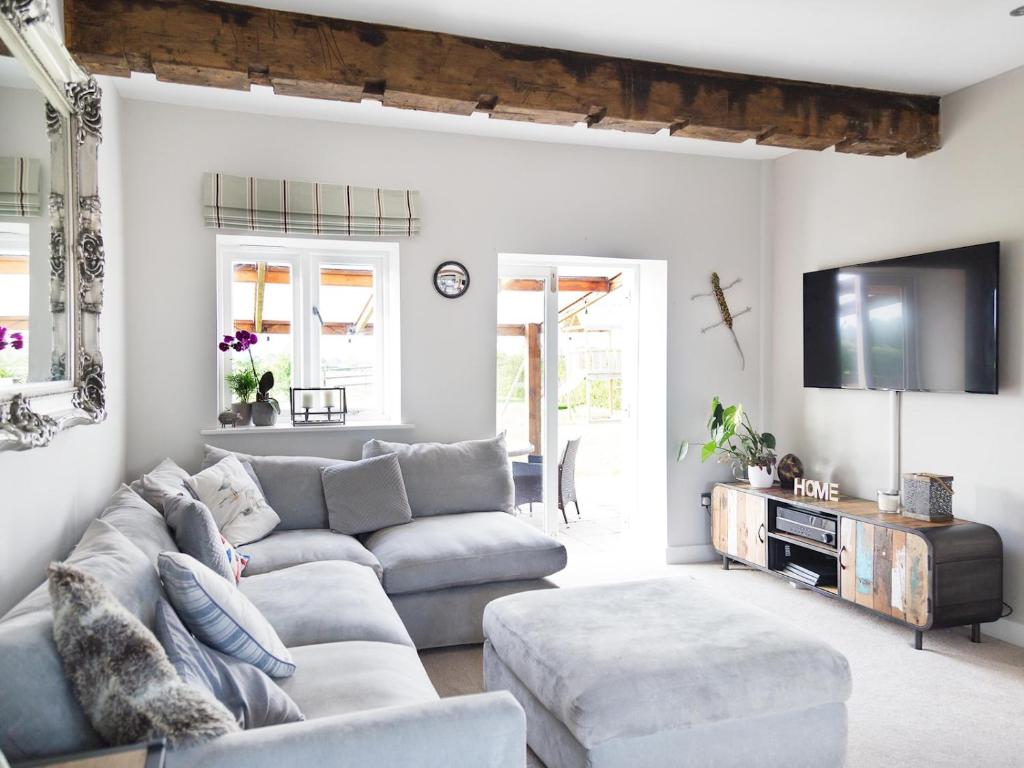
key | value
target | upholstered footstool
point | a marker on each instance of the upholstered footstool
(664, 673)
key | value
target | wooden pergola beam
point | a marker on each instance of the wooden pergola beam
(225, 45)
(13, 265)
(351, 278)
(285, 327)
(565, 284)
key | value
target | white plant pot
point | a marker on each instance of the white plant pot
(759, 477)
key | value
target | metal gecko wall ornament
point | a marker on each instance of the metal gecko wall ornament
(718, 292)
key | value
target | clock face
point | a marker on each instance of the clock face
(451, 279)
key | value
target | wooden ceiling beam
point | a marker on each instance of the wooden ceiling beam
(235, 46)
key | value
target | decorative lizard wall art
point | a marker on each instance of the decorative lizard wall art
(718, 292)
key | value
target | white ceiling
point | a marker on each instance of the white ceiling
(918, 46)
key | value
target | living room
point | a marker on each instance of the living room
(207, 200)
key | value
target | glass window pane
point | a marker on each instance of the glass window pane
(350, 335)
(14, 316)
(271, 316)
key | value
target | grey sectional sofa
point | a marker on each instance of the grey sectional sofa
(353, 613)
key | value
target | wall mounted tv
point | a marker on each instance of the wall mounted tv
(925, 323)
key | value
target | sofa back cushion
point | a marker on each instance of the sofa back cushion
(445, 478)
(141, 524)
(39, 715)
(291, 485)
(163, 480)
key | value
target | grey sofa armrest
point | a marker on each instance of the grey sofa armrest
(486, 730)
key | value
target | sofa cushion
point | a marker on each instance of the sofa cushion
(39, 715)
(440, 478)
(163, 480)
(252, 698)
(291, 484)
(139, 522)
(107, 554)
(468, 548)
(365, 496)
(325, 602)
(235, 501)
(337, 678)
(217, 613)
(283, 549)
(196, 534)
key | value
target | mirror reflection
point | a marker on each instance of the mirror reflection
(33, 288)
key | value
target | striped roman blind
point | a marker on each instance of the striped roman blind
(306, 207)
(19, 187)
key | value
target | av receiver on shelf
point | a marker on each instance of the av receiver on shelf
(810, 525)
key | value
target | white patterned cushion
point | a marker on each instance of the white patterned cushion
(234, 500)
(222, 617)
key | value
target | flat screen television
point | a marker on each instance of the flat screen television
(924, 323)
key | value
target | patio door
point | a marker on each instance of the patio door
(527, 386)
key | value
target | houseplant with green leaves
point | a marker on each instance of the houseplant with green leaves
(735, 441)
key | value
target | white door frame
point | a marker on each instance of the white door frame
(649, 399)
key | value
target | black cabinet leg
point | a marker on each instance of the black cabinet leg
(725, 563)
(975, 633)
(918, 639)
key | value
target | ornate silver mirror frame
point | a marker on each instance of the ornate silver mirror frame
(32, 414)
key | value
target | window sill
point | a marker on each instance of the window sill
(287, 428)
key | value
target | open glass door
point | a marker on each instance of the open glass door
(526, 307)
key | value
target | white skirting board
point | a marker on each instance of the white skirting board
(1008, 630)
(690, 553)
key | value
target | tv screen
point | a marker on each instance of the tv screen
(924, 323)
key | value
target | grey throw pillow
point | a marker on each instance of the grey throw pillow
(196, 534)
(366, 495)
(164, 480)
(118, 671)
(253, 698)
(444, 478)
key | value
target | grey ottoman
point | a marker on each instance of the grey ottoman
(663, 673)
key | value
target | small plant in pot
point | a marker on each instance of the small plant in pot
(244, 382)
(735, 441)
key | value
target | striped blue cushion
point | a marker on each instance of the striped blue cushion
(218, 614)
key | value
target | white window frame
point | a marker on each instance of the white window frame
(305, 256)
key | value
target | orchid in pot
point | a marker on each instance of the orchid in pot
(735, 441)
(244, 382)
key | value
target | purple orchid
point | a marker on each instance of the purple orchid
(243, 341)
(16, 341)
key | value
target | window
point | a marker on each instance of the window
(326, 314)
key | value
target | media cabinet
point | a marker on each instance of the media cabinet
(926, 575)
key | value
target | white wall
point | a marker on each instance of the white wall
(49, 495)
(480, 197)
(831, 209)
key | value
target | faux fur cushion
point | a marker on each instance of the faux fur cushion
(118, 671)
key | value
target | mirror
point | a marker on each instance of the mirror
(34, 329)
(451, 279)
(51, 245)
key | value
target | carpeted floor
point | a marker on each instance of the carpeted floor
(953, 704)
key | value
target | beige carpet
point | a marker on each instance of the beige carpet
(953, 704)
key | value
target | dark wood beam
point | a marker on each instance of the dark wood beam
(234, 46)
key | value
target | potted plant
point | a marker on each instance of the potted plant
(265, 410)
(242, 383)
(734, 440)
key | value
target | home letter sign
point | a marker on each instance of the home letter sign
(816, 489)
